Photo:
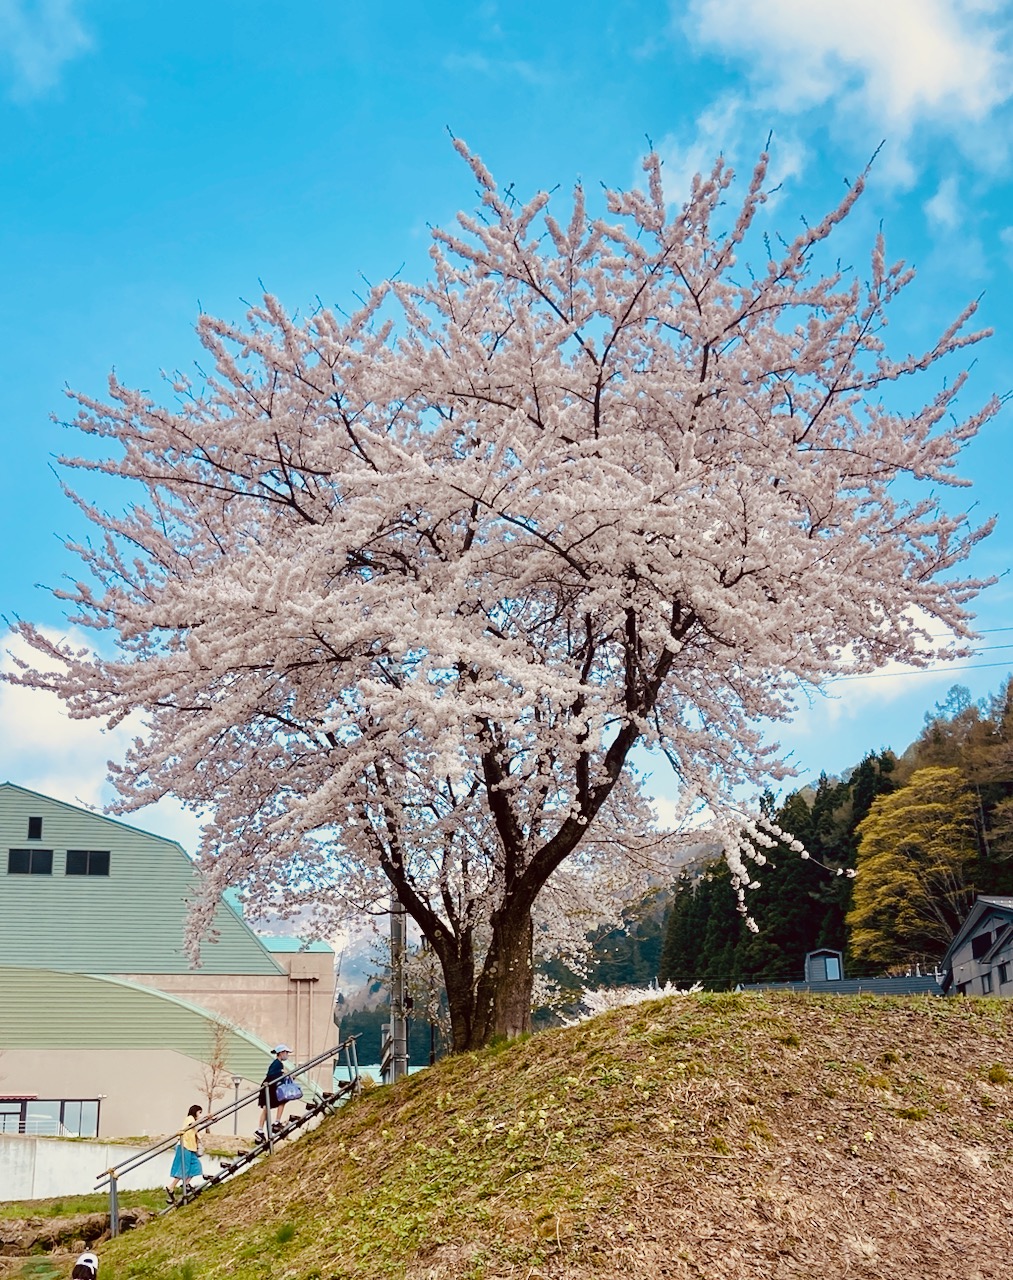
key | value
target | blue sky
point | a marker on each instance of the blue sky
(156, 160)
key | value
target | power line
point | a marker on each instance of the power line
(985, 631)
(923, 671)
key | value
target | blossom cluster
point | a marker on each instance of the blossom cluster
(406, 588)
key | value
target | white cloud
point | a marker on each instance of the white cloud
(717, 131)
(728, 128)
(855, 698)
(897, 63)
(37, 39)
(43, 749)
(943, 209)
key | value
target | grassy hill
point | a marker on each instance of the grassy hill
(771, 1136)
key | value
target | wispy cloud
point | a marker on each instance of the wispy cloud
(893, 64)
(727, 128)
(37, 39)
(943, 209)
(43, 749)
(479, 64)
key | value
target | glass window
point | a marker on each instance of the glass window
(43, 1118)
(833, 969)
(981, 944)
(70, 1121)
(29, 862)
(66, 1117)
(34, 828)
(87, 862)
(10, 1117)
(1004, 973)
(986, 981)
(81, 1119)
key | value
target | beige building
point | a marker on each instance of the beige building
(105, 1029)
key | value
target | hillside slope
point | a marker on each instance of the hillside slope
(776, 1135)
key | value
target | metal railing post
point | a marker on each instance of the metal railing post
(348, 1047)
(114, 1205)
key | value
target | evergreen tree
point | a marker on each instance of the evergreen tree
(800, 904)
(630, 955)
(681, 956)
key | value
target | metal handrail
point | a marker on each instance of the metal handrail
(112, 1175)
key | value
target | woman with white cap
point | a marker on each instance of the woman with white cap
(269, 1091)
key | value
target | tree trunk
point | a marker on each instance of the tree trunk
(505, 985)
(459, 982)
(499, 1003)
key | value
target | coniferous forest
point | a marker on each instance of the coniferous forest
(921, 834)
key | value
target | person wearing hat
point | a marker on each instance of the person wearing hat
(269, 1091)
(85, 1268)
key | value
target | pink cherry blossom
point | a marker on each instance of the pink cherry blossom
(399, 592)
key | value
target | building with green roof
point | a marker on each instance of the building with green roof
(98, 1001)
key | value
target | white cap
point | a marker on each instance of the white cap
(89, 1260)
(282, 1048)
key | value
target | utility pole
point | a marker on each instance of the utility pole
(398, 990)
(432, 1007)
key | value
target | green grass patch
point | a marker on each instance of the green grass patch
(617, 1146)
(68, 1206)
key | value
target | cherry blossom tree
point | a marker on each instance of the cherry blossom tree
(402, 591)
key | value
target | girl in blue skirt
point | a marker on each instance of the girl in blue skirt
(186, 1162)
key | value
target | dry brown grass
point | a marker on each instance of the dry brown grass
(768, 1136)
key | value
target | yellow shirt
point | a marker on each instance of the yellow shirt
(188, 1136)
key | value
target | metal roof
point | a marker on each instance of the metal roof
(50, 1009)
(913, 985)
(982, 906)
(129, 921)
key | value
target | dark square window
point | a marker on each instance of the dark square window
(981, 944)
(1004, 973)
(87, 862)
(29, 862)
(34, 828)
(986, 981)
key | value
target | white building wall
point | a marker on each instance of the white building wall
(42, 1168)
(145, 1093)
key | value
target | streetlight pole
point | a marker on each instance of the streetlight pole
(398, 989)
(236, 1082)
